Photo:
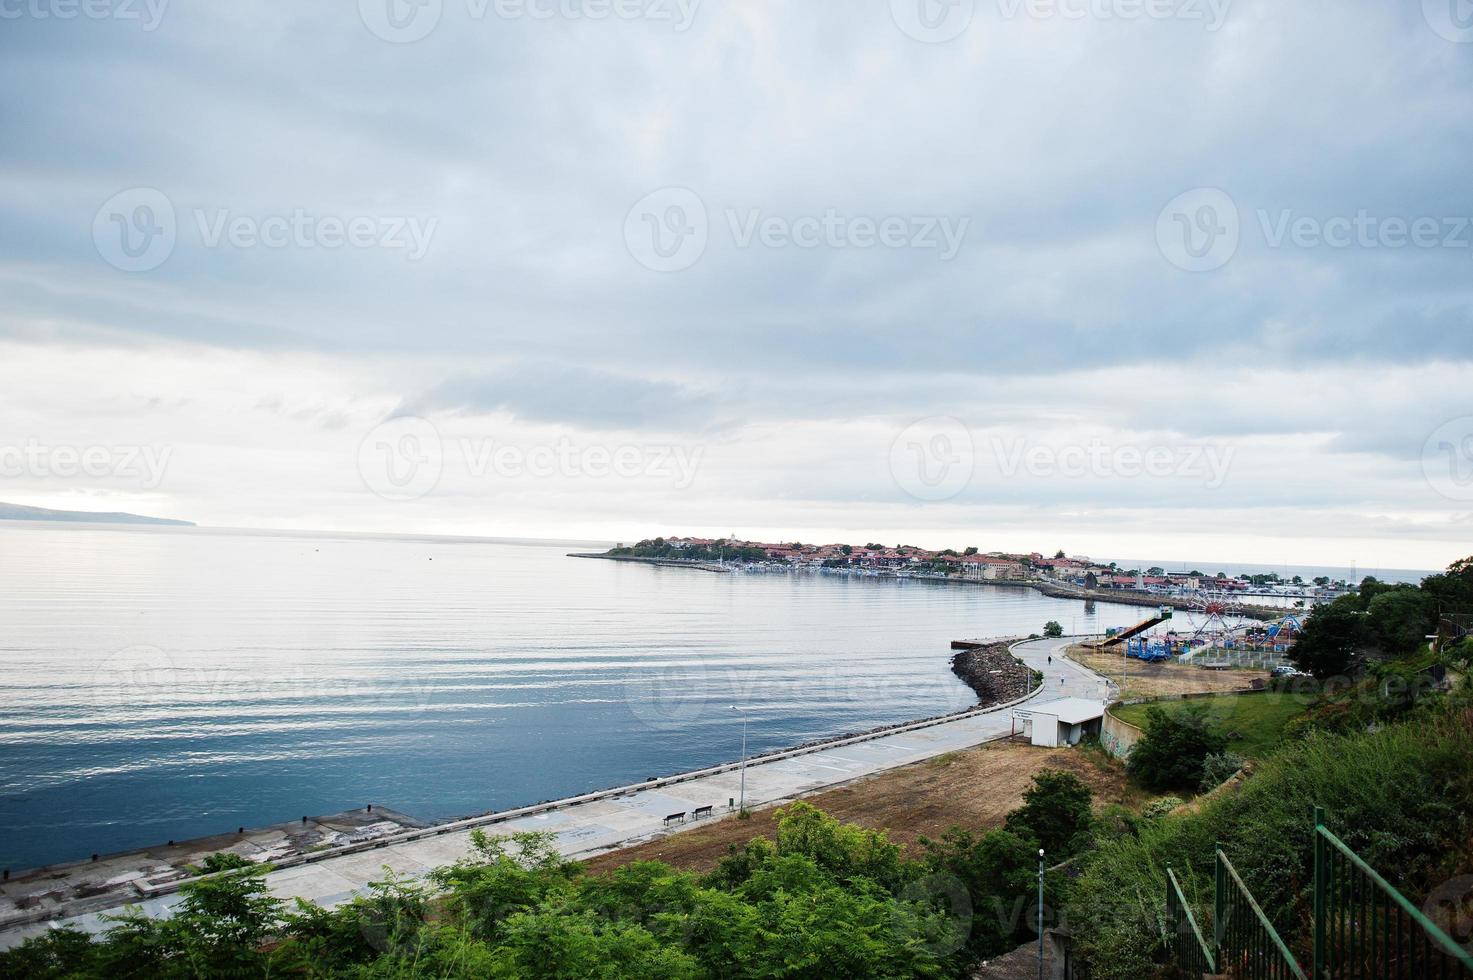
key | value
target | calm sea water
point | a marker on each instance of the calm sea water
(169, 683)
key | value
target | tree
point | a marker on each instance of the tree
(1052, 628)
(1174, 751)
(1333, 636)
(970, 551)
(1059, 553)
(1055, 812)
(1155, 571)
(1400, 619)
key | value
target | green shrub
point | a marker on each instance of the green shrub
(1218, 769)
(1174, 749)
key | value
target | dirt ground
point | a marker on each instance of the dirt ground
(1143, 680)
(973, 789)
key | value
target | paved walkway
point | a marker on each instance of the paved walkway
(584, 829)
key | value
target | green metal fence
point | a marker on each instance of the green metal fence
(1365, 928)
(1189, 952)
(1247, 943)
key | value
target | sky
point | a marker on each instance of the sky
(1183, 278)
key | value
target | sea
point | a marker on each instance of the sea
(163, 683)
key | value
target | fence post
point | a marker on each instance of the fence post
(1321, 892)
(1219, 900)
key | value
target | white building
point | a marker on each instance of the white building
(1061, 722)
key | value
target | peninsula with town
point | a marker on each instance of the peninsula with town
(1061, 575)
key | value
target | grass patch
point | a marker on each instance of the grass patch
(1254, 722)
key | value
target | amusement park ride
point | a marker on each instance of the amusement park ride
(1216, 631)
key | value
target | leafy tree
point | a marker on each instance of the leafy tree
(1174, 751)
(1055, 812)
(1333, 635)
(1401, 619)
(1052, 628)
(1059, 553)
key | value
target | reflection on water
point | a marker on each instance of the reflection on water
(163, 683)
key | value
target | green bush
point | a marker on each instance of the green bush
(1174, 749)
(1218, 769)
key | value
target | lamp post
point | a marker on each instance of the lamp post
(742, 806)
(1040, 913)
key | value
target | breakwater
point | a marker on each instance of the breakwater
(991, 670)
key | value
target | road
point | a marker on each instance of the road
(585, 829)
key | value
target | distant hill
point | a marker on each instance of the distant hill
(17, 512)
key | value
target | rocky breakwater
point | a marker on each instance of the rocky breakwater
(995, 674)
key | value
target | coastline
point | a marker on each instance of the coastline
(1054, 590)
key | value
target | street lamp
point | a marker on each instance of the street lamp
(742, 808)
(1040, 913)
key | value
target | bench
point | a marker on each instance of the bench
(675, 818)
(699, 812)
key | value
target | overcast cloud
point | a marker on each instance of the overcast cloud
(832, 269)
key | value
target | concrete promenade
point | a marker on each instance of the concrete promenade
(587, 828)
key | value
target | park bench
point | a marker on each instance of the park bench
(675, 818)
(700, 811)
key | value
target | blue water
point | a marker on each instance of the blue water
(170, 683)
